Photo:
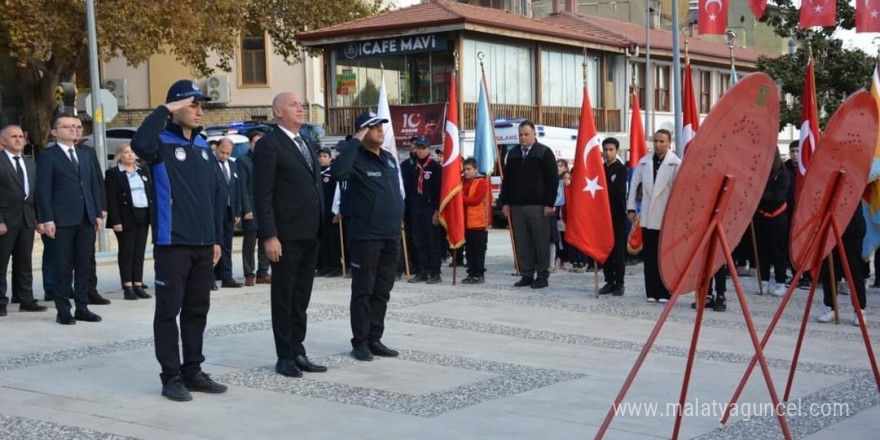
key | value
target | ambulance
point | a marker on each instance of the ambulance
(562, 141)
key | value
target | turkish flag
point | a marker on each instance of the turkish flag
(809, 136)
(589, 226)
(818, 13)
(758, 7)
(451, 202)
(690, 115)
(712, 17)
(868, 16)
(637, 145)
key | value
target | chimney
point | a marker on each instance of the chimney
(571, 6)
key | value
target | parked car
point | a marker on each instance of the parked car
(115, 137)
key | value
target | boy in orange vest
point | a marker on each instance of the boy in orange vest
(478, 217)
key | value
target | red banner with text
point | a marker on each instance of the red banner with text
(418, 120)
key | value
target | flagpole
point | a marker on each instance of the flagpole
(498, 164)
(595, 263)
(676, 73)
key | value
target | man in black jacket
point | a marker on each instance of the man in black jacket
(528, 195)
(249, 226)
(228, 179)
(421, 181)
(376, 213)
(288, 198)
(187, 234)
(615, 180)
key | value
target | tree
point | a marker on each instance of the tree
(47, 39)
(839, 72)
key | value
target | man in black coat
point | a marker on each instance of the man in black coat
(615, 180)
(70, 207)
(528, 196)
(288, 198)
(18, 179)
(249, 225)
(232, 215)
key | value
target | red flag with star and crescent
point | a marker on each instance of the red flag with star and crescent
(868, 16)
(712, 17)
(588, 225)
(818, 13)
(758, 7)
(451, 204)
(809, 136)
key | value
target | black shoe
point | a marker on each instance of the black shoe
(468, 280)
(805, 284)
(214, 287)
(86, 315)
(176, 391)
(3, 311)
(231, 283)
(606, 289)
(98, 300)
(618, 290)
(65, 319)
(361, 353)
(479, 280)
(434, 279)
(379, 349)
(128, 293)
(420, 278)
(203, 383)
(32, 307)
(139, 291)
(287, 367)
(524, 281)
(720, 304)
(145, 286)
(540, 283)
(710, 303)
(304, 364)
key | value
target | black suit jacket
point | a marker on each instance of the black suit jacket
(120, 207)
(245, 165)
(63, 196)
(288, 196)
(15, 210)
(230, 189)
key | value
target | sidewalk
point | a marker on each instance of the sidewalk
(477, 362)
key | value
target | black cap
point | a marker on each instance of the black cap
(420, 141)
(368, 119)
(325, 150)
(185, 89)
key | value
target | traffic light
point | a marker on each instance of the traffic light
(65, 97)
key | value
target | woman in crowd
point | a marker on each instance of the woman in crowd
(129, 196)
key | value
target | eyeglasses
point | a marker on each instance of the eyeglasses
(71, 127)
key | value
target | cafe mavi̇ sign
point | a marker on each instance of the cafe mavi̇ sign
(393, 46)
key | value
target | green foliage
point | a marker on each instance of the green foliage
(839, 72)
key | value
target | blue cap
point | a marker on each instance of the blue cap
(420, 141)
(185, 89)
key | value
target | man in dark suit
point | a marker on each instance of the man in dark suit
(18, 178)
(288, 197)
(232, 215)
(69, 201)
(249, 226)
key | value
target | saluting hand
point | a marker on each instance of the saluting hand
(177, 106)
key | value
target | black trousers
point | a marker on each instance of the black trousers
(719, 280)
(183, 287)
(329, 252)
(475, 247)
(132, 245)
(372, 278)
(292, 278)
(654, 287)
(17, 244)
(531, 229)
(772, 236)
(426, 241)
(853, 250)
(48, 274)
(615, 265)
(74, 250)
(223, 270)
(249, 243)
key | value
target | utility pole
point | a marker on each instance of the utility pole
(98, 109)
